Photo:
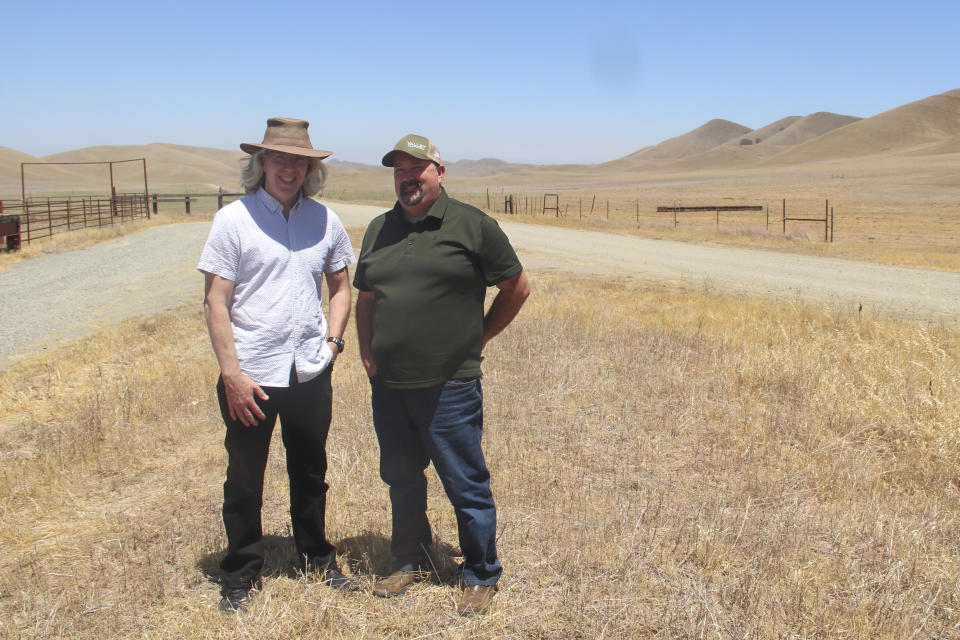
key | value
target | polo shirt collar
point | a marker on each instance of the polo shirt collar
(440, 206)
(273, 205)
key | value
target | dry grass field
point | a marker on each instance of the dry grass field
(668, 463)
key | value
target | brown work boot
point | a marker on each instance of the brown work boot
(476, 599)
(396, 583)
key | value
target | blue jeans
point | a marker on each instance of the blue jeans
(443, 425)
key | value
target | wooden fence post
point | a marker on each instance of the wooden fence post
(826, 216)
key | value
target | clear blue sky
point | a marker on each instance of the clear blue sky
(522, 81)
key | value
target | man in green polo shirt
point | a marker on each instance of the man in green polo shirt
(422, 276)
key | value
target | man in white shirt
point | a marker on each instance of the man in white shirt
(264, 262)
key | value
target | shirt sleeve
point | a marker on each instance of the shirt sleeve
(498, 260)
(221, 252)
(341, 253)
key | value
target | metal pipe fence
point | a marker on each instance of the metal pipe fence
(189, 198)
(42, 217)
(639, 211)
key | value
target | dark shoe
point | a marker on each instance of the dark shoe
(476, 599)
(334, 579)
(233, 599)
(396, 583)
(330, 573)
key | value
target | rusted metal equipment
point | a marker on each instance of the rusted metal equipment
(10, 230)
(711, 208)
(554, 204)
(716, 208)
(222, 197)
(42, 217)
(827, 220)
(109, 163)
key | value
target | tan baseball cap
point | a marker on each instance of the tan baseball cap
(416, 146)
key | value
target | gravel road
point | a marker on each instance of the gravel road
(60, 297)
(903, 291)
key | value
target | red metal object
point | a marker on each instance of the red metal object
(10, 228)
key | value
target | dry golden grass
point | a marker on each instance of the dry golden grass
(926, 235)
(866, 225)
(667, 463)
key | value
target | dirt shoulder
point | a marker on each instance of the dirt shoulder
(844, 284)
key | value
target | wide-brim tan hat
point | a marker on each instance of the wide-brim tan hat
(288, 135)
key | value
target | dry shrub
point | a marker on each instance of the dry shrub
(667, 463)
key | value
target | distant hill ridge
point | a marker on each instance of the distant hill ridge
(807, 128)
(927, 126)
(701, 139)
(931, 121)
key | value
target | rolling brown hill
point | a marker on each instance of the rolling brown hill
(774, 128)
(169, 168)
(928, 128)
(10, 160)
(752, 148)
(933, 121)
(167, 164)
(701, 139)
(806, 128)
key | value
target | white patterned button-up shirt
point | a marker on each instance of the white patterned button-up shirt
(277, 267)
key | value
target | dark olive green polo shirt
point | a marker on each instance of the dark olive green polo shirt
(429, 280)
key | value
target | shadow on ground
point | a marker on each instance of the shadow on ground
(367, 554)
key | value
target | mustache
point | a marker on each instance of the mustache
(410, 184)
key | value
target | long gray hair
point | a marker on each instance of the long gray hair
(251, 175)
